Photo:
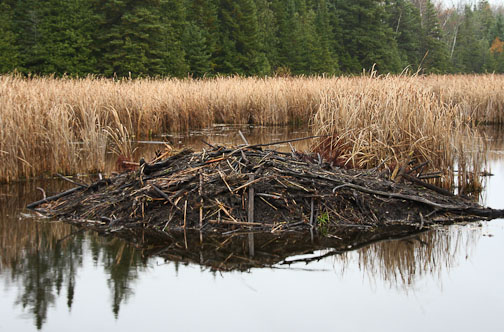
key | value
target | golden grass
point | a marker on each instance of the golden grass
(479, 98)
(50, 125)
(389, 121)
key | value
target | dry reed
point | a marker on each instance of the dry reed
(390, 121)
(50, 125)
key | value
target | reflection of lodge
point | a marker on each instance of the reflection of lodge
(50, 268)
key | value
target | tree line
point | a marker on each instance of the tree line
(177, 38)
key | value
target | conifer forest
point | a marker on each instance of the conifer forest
(205, 38)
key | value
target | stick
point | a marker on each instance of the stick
(251, 182)
(243, 137)
(164, 195)
(251, 200)
(427, 185)
(221, 206)
(53, 198)
(185, 215)
(71, 181)
(43, 192)
(311, 212)
(286, 141)
(201, 200)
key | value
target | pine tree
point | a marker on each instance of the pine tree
(405, 21)
(197, 54)
(130, 42)
(9, 55)
(240, 49)
(173, 25)
(435, 52)
(65, 35)
(367, 38)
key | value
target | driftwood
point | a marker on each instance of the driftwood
(245, 188)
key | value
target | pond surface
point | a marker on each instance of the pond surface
(56, 278)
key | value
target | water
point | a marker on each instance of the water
(55, 278)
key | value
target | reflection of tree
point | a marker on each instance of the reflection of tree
(44, 257)
(123, 263)
(43, 271)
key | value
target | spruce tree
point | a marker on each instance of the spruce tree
(434, 51)
(197, 55)
(367, 38)
(27, 18)
(240, 49)
(8, 50)
(327, 58)
(65, 35)
(203, 14)
(469, 55)
(173, 26)
(267, 31)
(404, 19)
(130, 42)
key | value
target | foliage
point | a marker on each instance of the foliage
(131, 38)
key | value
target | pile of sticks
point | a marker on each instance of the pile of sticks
(252, 188)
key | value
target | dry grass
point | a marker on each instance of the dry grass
(390, 121)
(479, 98)
(64, 125)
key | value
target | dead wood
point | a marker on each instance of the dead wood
(247, 188)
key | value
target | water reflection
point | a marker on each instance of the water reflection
(43, 259)
(122, 264)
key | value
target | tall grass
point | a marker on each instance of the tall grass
(479, 98)
(50, 125)
(391, 121)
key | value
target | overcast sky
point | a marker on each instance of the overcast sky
(450, 3)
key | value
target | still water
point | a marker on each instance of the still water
(55, 278)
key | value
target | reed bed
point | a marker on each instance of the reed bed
(479, 98)
(50, 125)
(391, 121)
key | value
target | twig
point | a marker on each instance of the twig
(251, 182)
(72, 181)
(43, 192)
(185, 215)
(251, 195)
(53, 198)
(243, 137)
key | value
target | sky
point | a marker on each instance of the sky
(450, 3)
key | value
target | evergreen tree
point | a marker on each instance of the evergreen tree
(435, 52)
(197, 54)
(469, 52)
(327, 58)
(367, 38)
(8, 50)
(65, 36)
(267, 31)
(173, 26)
(131, 40)
(203, 14)
(404, 19)
(27, 17)
(240, 48)
(485, 21)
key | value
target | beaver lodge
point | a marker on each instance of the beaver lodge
(250, 189)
